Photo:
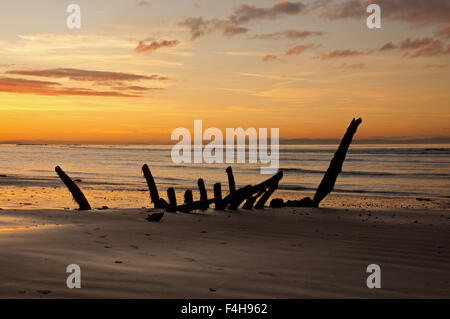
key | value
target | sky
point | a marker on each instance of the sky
(137, 70)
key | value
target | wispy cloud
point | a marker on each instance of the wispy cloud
(86, 75)
(296, 50)
(144, 47)
(299, 49)
(420, 47)
(419, 12)
(24, 86)
(246, 13)
(269, 57)
(343, 54)
(443, 32)
(288, 34)
(241, 15)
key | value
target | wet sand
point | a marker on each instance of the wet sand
(274, 253)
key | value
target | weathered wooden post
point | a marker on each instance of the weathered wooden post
(188, 198)
(266, 196)
(251, 200)
(231, 183)
(218, 196)
(172, 197)
(203, 193)
(329, 179)
(154, 195)
(77, 194)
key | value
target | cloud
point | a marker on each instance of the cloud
(23, 86)
(136, 88)
(245, 13)
(199, 27)
(418, 12)
(289, 34)
(343, 54)
(155, 45)
(387, 47)
(420, 47)
(443, 32)
(298, 49)
(229, 29)
(269, 57)
(86, 75)
(242, 15)
(348, 9)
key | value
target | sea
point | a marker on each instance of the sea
(111, 176)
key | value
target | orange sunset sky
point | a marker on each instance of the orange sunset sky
(136, 70)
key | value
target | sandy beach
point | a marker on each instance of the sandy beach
(272, 253)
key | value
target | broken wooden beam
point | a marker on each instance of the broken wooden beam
(188, 198)
(218, 197)
(251, 200)
(154, 195)
(265, 197)
(155, 218)
(172, 197)
(231, 183)
(76, 192)
(239, 196)
(186, 208)
(203, 193)
(329, 179)
(236, 198)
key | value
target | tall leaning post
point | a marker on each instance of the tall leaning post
(329, 179)
(77, 194)
(231, 183)
(154, 195)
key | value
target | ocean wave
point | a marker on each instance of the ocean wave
(370, 174)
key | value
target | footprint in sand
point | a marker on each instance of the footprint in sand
(191, 259)
(267, 274)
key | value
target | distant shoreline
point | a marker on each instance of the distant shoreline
(442, 141)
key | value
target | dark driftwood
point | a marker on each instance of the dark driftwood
(218, 197)
(328, 181)
(203, 193)
(156, 217)
(304, 202)
(239, 196)
(188, 198)
(77, 194)
(186, 208)
(236, 198)
(277, 203)
(251, 200)
(172, 197)
(231, 183)
(154, 195)
(265, 197)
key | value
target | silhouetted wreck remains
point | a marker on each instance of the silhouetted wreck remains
(329, 179)
(254, 196)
